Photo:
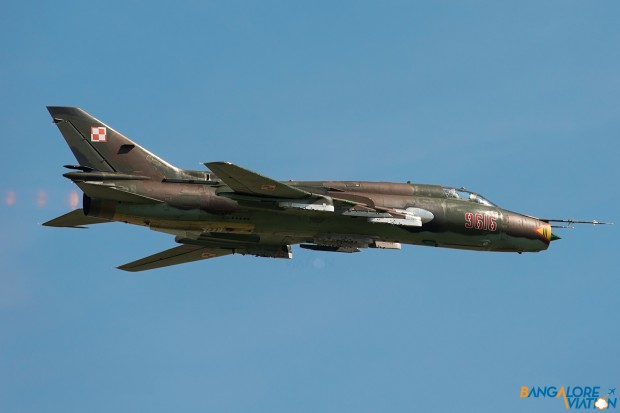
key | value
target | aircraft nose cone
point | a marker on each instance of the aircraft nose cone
(530, 234)
(543, 229)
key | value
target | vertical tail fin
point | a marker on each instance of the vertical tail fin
(98, 146)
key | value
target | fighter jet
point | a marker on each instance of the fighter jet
(229, 209)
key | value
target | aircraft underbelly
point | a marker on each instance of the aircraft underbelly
(293, 227)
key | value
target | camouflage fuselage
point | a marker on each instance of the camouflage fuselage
(192, 209)
(229, 209)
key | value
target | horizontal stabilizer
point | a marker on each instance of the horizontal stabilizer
(74, 219)
(244, 181)
(114, 194)
(173, 256)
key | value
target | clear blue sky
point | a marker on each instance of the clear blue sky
(519, 101)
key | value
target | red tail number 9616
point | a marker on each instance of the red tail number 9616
(480, 221)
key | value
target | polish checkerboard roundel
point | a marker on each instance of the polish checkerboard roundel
(97, 134)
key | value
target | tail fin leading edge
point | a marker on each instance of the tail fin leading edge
(96, 145)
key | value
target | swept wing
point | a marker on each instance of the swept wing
(173, 256)
(244, 181)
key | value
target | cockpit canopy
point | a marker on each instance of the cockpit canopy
(465, 195)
